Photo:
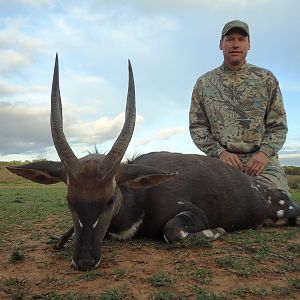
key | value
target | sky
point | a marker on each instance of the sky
(170, 43)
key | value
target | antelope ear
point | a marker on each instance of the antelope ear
(44, 172)
(137, 176)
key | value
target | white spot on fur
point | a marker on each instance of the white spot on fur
(291, 207)
(114, 183)
(217, 235)
(73, 263)
(221, 230)
(128, 233)
(95, 224)
(186, 213)
(97, 264)
(281, 202)
(180, 203)
(183, 234)
(80, 223)
(165, 238)
(280, 213)
(208, 233)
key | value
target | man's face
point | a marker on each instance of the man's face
(235, 45)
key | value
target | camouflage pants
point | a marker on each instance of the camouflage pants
(273, 175)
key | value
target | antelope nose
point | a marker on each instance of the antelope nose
(86, 264)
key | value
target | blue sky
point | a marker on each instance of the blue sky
(170, 44)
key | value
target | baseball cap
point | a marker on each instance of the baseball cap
(235, 24)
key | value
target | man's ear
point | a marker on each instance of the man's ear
(138, 176)
(220, 45)
(44, 172)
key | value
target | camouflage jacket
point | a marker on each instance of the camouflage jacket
(240, 111)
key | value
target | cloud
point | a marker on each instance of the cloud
(164, 134)
(26, 130)
(26, 3)
(290, 159)
(192, 4)
(36, 3)
(118, 31)
(17, 49)
(12, 61)
(8, 90)
(169, 42)
(97, 131)
(22, 129)
(169, 132)
(290, 154)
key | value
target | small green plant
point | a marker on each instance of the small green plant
(295, 248)
(167, 295)
(160, 279)
(294, 282)
(116, 294)
(120, 273)
(282, 291)
(192, 242)
(17, 255)
(241, 266)
(202, 276)
(246, 291)
(202, 294)
(50, 279)
(288, 267)
(68, 296)
(19, 200)
(226, 262)
(91, 275)
(14, 287)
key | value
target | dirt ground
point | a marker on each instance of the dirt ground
(251, 264)
(142, 270)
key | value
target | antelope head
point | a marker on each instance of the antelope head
(93, 192)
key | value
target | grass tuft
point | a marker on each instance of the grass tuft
(192, 242)
(202, 276)
(16, 255)
(167, 295)
(160, 279)
(116, 294)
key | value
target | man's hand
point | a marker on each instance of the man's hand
(256, 163)
(231, 159)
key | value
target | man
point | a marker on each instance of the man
(237, 112)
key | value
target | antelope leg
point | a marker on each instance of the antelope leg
(64, 238)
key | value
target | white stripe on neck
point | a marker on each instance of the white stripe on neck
(128, 233)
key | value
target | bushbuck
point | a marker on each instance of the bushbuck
(160, 194)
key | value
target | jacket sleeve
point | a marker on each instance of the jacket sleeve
(275, 122)
(200, 127)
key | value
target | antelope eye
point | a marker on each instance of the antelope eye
(110, 202)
